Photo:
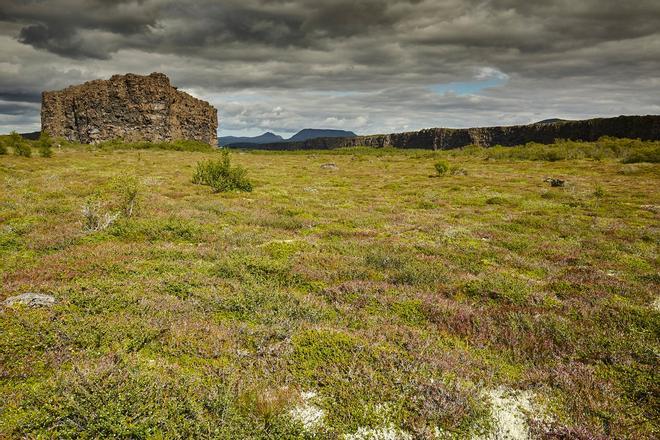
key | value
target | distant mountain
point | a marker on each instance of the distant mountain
(270, 138)
(313, 133)
(550, 121)
(33, 136)
(265, 138)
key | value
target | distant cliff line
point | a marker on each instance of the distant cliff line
(634, 127)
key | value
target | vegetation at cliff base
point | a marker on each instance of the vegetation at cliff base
(45, 145)
(372, 300)
(178, 145)
(18, 145)
(625, 150)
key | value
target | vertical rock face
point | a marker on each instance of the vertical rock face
(634, 127)
(129, 107)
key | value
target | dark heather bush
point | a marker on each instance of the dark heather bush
(221, 176)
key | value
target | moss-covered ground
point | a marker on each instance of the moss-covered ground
(397, 297)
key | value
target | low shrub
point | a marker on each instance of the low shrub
(128, 193)
(648, 155)
(599, 192)
(45, 145)
(442, 167)
(221, 176)
(19, 145)
(3, 147)
(118, 199)
(95, 217)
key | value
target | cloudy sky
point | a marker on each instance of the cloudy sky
(371, 66)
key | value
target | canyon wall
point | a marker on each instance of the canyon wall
(129, 107)
(635, 127)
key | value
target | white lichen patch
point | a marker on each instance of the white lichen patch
(441, 434)
(389, 432)
(509, 410)
(310, 415)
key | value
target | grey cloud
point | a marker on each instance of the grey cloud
(28, 96)
(63, 27)
(61, 42)
(416, 35)
(13, 108)
(560, 58)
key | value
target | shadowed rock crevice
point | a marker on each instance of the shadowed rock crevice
(130, 107)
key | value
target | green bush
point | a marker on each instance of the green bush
(628, 150)
(650, 155)
(3, 147)
(221, 176)
(127, 189)
(45, 145)
(441, 167)
(19, 145)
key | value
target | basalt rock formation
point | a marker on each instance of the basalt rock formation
(129, 107)
(635, 127)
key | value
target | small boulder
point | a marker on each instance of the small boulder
(555, 182)
(30, 299)
(329, 166)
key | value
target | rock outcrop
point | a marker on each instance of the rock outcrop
(635, 127)
(129, 107)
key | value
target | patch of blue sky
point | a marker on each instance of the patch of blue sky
(468, 87)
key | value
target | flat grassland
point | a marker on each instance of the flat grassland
(368, 300)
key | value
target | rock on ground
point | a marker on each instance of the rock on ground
(30, 299)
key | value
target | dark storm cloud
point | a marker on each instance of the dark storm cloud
(63, 26)
(60, 41)
(12, 108)
(566, 58)
(20, 96)
(294, 30)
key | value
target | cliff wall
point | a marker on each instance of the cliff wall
(642, 127)
(130, 107)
